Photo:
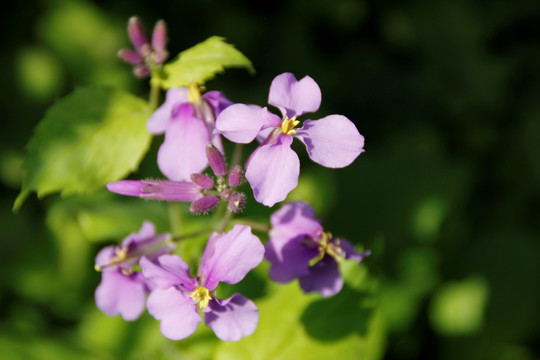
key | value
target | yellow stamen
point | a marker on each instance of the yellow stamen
(202, 296)
(288, 125)
(194, 95)
(329, 246)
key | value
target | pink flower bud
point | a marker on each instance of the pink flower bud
(141, 70)
(204, 181)
(237, 201)
(204, 204)
(129, 56)
(159, 36)
(216, 160)
(136, 33)
(225, 194)
(236, 176)
(160, 57)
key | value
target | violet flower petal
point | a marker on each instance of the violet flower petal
(127, 187)
(351, 253)
(176, 311)
(230, 256)
(332, 141)
(293, 97)
(171, 190)
(287, 250)
(157, 123)
(217, 100)
(323, 277)
(148, 230)
(104, 256)
(184, 150)
(232, 318)
(241, 123)
(167, 271)
(121, 294)
(273, 170)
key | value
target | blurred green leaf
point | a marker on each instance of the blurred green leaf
(282, 335)
(201, 63)
(89, 138)
(40, 73)
(458, 308)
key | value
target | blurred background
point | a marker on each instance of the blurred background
(447, 194)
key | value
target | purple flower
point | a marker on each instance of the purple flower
(188, 121)
(273, 168)
(145, 54)
(228, 257)
(300, 248)
(122, 290)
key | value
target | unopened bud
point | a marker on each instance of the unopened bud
(237, 201)
(204, 204)
(141, 70)
(204, 181)
(129, 56)
(236, 176)
(216, 160)
(160, 57)
(136, 33)
(225, 194)
(159, 36)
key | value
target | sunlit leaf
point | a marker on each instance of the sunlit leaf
(87, 139)
(201, 63)
(293, 325)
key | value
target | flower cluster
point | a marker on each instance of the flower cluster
(142, 273)
(145, 55)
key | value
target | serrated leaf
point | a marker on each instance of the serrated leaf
(89, 138)
(201, 63)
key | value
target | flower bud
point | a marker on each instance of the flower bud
(141, 70)
(225, 194)
(159, 36)
(237, 201)
(204, 204)
(216, 160)
(204, 181)
(136, 33)
(160, 57)
(129, 56)
(236, 176)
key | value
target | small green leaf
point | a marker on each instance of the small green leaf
(201, 63)
(89, 138)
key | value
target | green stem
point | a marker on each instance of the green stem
(190, 235)
(153, 99)
(175, 218)
(255, 225)
(225, 221)
(237, 154)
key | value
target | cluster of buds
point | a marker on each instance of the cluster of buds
(220, 189)
(145, 55)
(203, 191)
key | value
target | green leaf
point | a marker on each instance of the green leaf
(89, 138)
(293, 325)
(201, 63)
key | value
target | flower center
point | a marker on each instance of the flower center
(288, 125)
(121, 256)
(194, 95)
(202, 296)
(328, 245)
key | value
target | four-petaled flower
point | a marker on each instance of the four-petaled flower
(123, 290)
(300, 248)
(188, 119)
(273, 168)
(227, 257)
